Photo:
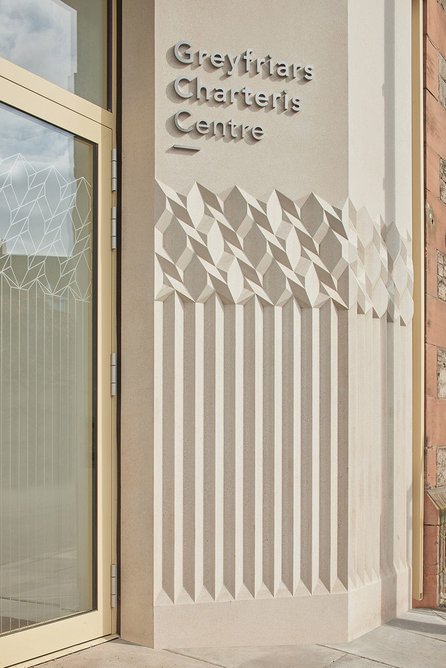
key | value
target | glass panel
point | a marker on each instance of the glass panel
(47, 496)
(64, 42)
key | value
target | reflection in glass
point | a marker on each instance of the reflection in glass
(46, 371)
(62, 41)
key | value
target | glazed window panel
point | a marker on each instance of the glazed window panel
(65, 42)
(47, 377)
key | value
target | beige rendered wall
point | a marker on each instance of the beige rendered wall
(266, 304)
(138, 174)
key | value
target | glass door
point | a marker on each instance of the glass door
(56, 500)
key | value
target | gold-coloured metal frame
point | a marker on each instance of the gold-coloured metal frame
(46, 101)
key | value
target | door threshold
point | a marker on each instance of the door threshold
(64, 652)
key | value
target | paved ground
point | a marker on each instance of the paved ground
(415, 640)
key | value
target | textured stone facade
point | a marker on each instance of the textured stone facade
(441, 466)
(441, 80)
(441, 275)
(435, 178)
(443, 180)
(441, 373)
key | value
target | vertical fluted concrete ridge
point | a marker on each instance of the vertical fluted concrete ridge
(262, 308)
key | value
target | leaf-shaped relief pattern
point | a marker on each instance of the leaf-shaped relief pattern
(236, 246)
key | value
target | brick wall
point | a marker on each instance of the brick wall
(435, 165)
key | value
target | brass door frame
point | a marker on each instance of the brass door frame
(46, 101)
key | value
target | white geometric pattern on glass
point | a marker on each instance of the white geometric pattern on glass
(45, 216)
(46, 373)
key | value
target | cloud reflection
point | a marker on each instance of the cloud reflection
(43, 144)
(41, 36)
(41, 168)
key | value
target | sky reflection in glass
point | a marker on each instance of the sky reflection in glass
(63, 42)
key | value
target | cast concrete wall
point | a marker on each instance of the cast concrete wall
(266, 342)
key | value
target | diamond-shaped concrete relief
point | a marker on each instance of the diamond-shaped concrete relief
(46, 229)
(237, 246)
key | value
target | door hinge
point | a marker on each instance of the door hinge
(114, 228)
(114, 585)
(114, 170)
(114, 374)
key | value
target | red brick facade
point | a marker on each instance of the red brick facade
(435, 183)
